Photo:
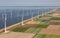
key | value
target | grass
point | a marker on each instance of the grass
(46, 36)
(42, 23)
(48, 15)
(42, 19)
(33, 29)
(19, 29)
(40, 16)
(55, 18)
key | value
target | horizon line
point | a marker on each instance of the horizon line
(29, 6)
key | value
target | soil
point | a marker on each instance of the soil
(50, 31)
(31, 23)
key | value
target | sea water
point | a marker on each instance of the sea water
(14, 14)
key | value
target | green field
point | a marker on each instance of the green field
(32, 29)
(55, 18)
(48, 15)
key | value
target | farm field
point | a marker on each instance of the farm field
(53, 29)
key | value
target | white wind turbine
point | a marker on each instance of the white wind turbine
(2, 16)
(18, 13)
(27, 12)
(11, 14)
(5, 18)
(45, 10)
(42, 12)
(38, 13)
(22, 17)
(32, 14)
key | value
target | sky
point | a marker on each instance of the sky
(29, 2)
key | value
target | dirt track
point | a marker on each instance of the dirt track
(16, 35)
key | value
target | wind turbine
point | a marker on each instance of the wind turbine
(5, 23)
(11, 14)
(27, 12)
(45, 11)
(2, 16)
(38, 13)
(22, 17)
(42, 12)
(32, 14)
(18, 13)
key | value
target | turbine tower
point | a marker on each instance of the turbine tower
(22, 17)
(5, 18)
(32, 14)
(11, 14)
(38, 13)
(5, 23)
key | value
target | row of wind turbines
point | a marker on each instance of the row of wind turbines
(5, 18)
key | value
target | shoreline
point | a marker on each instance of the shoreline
(11, 26)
